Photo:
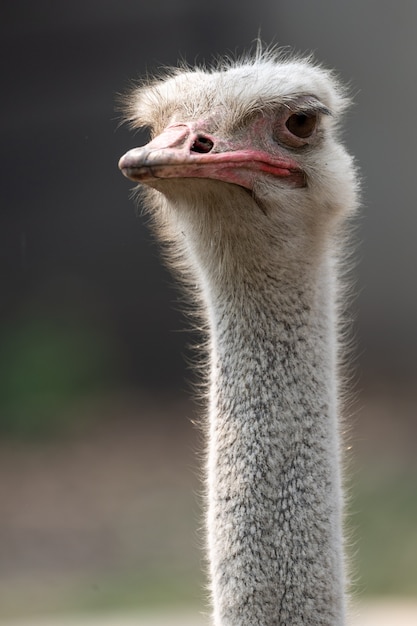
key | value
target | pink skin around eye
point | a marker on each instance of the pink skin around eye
(183, 151)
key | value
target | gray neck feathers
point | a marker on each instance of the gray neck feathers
(274, 498)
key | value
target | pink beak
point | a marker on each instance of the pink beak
(181, 151)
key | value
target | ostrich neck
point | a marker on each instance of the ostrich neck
(274, 529)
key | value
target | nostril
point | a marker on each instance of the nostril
(202, 144)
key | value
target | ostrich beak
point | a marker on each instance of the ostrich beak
(182, 151)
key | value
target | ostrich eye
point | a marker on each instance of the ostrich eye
(302, 125)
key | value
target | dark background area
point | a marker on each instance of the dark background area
(87, 311)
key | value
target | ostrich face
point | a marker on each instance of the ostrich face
(263, 144)
(267, 126)
(243, 124)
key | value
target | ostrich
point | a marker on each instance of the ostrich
(249, 186)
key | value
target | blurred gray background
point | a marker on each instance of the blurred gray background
(95, 416)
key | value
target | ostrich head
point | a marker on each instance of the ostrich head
(245, 149)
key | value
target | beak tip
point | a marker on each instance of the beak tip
(122, 163)
(126, 166)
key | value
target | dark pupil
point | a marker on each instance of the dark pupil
(301, 125)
